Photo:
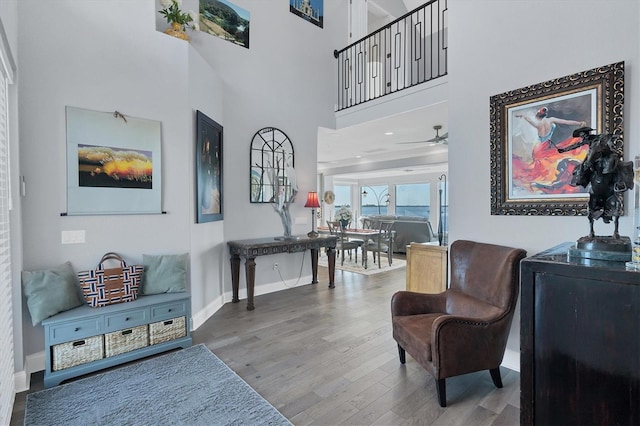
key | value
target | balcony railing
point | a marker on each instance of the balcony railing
(409, 51)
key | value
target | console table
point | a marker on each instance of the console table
(579, 340)
(250, 249)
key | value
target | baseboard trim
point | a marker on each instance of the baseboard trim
(511, 360)
(204, 314)
(32, 364)
(21, 382)
(270, 288)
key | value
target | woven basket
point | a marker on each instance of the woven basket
(70, 354)
(122, 341)
(164, 331)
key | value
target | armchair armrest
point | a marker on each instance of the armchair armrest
(456, 334)
(411, 303)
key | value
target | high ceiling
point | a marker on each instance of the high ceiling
(380, 147)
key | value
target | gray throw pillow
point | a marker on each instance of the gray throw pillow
(164, 273)
(50, 291)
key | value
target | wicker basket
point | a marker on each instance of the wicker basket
(70, 354)
(122, 341)
(164, 331)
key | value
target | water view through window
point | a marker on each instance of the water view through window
(413, 199)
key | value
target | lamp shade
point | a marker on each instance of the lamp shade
(312, 200)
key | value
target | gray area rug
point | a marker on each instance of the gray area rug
(188, 387)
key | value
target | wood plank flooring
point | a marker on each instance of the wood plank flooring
(326, 357)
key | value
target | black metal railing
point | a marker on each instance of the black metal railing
(409, 51)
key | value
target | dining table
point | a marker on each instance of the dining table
(363, 234)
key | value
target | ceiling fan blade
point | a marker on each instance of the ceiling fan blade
(439, 139)
(402, 143)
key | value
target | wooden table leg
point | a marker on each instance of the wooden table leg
(314, 265)
(235, 277)
(250, 270)
(331, 255)
(364, 255)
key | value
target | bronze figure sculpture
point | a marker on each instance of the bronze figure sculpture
(607, 176)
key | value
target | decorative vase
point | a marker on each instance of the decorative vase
(177, 31)
(344, 223)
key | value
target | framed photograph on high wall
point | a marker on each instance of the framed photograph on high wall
(529, 125)
(309, 10)
(208, 169)
(226, 20)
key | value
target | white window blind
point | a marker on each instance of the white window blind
(7, 381)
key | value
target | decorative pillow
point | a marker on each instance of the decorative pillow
(164, 273)
(50, 291)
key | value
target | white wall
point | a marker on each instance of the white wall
(207, 239)
(496, 46)
(286, 79)
(106, 55)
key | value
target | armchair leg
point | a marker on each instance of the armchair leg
(495, 375)
(442, 392)
(403, 356)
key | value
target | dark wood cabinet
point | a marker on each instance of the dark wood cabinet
(579, 341)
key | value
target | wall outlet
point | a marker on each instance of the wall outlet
(73, 237)
(275, 266)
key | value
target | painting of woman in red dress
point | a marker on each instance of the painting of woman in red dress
(538, 132)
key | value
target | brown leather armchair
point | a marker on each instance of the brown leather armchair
(465, 328)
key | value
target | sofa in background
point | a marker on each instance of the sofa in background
(408, 229)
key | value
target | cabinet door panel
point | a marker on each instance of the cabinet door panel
(587, 369)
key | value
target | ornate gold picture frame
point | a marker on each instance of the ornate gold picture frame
(528, 125)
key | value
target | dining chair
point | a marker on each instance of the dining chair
(383, 242)
(343, 244)
(357, 240)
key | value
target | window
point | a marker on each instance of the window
(374, 199)
(413, 199)
(343, 197)
(443, 214)
(7, 384)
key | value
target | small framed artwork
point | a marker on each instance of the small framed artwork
(209, 197)
(528, 128)
(310, 10)
(226, 20)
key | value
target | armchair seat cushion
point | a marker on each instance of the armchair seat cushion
(415, 331)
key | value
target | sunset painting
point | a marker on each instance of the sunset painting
(103, 166)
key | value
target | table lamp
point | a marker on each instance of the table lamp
(313, 204)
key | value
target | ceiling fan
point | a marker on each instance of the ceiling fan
(438, 139)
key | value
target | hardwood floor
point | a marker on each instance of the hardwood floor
(326, 357)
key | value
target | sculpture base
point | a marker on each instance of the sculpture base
(602, 248)
(312, 234)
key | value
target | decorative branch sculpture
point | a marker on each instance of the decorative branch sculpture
(279, 201)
